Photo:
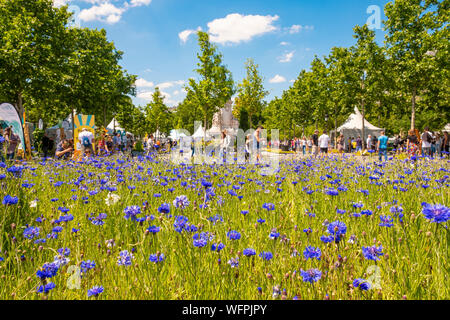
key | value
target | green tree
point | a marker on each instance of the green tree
(411, 28)
(251, 92)
(158, 115)
(215, 85)
(33, 45)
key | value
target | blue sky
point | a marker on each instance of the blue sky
(281, 36)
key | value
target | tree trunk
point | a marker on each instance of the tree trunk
(104, 116)
(413, 109)
(20, 105)
(335, 127)
(363, 138)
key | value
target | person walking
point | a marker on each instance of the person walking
(309, 143)
(341, 143)
(257, 143)
(369, 142)
(412, 144)
(303, 145)
(382, 146)
(324, 140)
(445, 143)
(2, 140)
(358, 144)
(426, 138)
(315, 139)
(12, 140)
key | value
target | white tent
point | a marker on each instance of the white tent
(114, 125)
(200, 133)
(447, 127)
(353, 127)
(177, 134)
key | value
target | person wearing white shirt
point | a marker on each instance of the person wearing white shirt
(369, 142)
(324, 140)
(86, 139)
(426, 142)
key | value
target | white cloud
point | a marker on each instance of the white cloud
(138, 3)
(287, 57)
(145, 95)
(184, 35)
(142, 83)
(105, 12)
(277, 79)
(59, 3)
(284, 43)
(170, 84)
(296, 28)
(235, 28)
(292, 81)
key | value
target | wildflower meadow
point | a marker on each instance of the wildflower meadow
(145, 228)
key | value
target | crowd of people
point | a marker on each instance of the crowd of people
(427, 143)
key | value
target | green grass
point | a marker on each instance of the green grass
(415, 263)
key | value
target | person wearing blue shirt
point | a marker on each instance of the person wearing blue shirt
(382, 146)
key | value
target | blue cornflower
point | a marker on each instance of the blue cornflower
(233, 235)
(386, 221)
(206, 183)
(31, 232)
(164, 208)
(332, 192)
(249, 252)
(87, 265)
(57, 229)
(311, 253)
(95, 291)
(274, 234)
(9, 201)
(244, 212)
(338, 229)
(125, 258)
(131, 212)
(66, 218)
(234, 262)
(436, 213)
(157, 258)
(261, 221)
(64, 251)
(181, 202)
(217, 247)
(199, 243)
(46, 288)
(372, 253)
(363, 284)
(48, 270)
(153, 229)
(268, 206)
(312, 275)
(266, 255)
(63, 209)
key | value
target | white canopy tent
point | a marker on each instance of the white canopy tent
(200, 133)
(177, 134)
(447, 127)
(353, 127)
(114, 125)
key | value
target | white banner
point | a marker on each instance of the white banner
(10, 118)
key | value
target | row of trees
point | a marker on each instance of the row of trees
(49, 68)
(409, 75)
(400, 85)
